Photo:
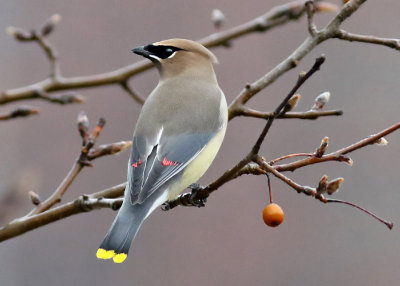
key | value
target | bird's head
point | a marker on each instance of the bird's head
(178, 57)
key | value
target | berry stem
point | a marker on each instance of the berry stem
(269, 188)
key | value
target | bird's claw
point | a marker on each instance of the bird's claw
(192, 198)
(187, 199)
(166, 206)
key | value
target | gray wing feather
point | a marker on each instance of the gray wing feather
(161, 161)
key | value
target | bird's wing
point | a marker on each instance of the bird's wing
(154, 163)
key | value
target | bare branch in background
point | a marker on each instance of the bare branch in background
(338, 155)
(27, 223)
(391, 43)
(39, 36)
(132, 93)
(88, 153)
(21, 111)
(252, 163)
(276, 16)
(314, 39)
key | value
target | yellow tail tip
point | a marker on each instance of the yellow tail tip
(105, 254)
(120, 257)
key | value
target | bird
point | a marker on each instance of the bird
(178, 133)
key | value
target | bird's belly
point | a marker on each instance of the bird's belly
(198, 166)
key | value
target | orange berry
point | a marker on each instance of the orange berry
(273, 215)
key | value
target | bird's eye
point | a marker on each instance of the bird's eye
(168, 52)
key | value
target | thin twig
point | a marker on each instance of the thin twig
(21, 111)
(132, 93)
(248, 112)
(339, 154)
(51, 54)
(302, 78)
(299, 188)
(389, 224)
(63, 98)
(310, 9)
(391, 43)
(56, 196)
(272, 162)
(88, 153)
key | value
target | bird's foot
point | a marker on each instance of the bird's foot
(188, 199)
(167, 206)
(197, 202)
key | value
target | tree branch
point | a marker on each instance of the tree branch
(248, 112)
(339, 154)
(80, 205)
(276, 16)
(302, 78)
(24, 224)
(391, 43)
(21, 111)
(88, 153)
(292, 61)
(317, 193)
(59, 192)
(132, 93)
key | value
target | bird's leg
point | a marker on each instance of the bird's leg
(196, 188)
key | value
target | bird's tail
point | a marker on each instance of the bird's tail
(118, 240)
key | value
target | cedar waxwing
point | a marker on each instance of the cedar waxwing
(177, 136)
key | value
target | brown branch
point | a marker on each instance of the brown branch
(248, 112)
(62, 98)
(108, 149)
(56, 196)
(39, 36)
(80, 205)
(315, 192)
(50, 52)
(334, 156)
(389, 224)
(302, 78)
(339, 154)
(310, 9)
(300, 189)
(292, 61)
(276, 16)
(24, 224)
(21, 111)
(273, 162)
(132, 93)
(88, 153)
(391, 43)
(243, 167)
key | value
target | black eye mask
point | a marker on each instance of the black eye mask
(162, 52)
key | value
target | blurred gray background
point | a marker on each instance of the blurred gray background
(225, 243)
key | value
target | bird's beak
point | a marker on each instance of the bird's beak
(141, 51)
